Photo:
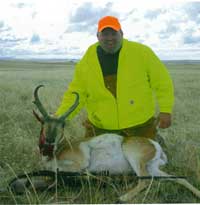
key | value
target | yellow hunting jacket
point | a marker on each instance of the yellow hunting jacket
(142, 80)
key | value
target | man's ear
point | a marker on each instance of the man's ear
(98, 35)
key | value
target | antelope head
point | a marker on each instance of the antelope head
(52, 128)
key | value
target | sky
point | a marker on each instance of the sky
(60, 29)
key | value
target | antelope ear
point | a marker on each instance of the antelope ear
(40, 119)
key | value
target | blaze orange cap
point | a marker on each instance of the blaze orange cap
(109, 21)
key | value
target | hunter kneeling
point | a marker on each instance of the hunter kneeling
(117, 81)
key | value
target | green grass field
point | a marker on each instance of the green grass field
(19, 133)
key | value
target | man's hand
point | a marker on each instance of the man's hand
(165, 120)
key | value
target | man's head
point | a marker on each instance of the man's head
(109, 34)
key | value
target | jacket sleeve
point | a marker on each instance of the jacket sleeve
(76, 85)
(161, 82)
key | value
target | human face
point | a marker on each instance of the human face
(110, 40)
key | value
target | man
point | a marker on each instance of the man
(119, 83)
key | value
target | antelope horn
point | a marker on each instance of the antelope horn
(72, 108)
(40, 119)
(38, 103)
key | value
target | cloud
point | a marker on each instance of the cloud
(35, 39)
(34, 14)
(18, 53)
(1, 24)
(66, 28)
(22, 53)
(153, 14)
(192, 9)
(11, 41)
(190, 39)
(170, 29)
(20, 5)
(86, 17)
(175, 54)
(3, 28)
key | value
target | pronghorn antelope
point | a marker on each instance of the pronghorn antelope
(110, 152)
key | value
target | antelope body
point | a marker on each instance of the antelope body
(106, 152)
(109, 152)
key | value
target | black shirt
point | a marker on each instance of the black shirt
(108, 62)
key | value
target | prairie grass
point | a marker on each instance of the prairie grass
(19, 135)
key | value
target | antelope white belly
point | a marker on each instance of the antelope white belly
(106, 154)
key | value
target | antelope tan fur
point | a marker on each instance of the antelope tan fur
(106, 152)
